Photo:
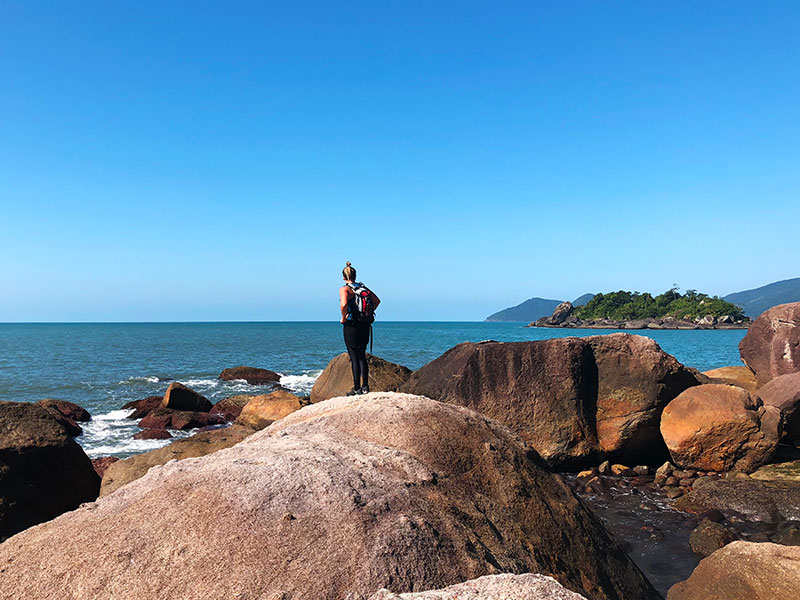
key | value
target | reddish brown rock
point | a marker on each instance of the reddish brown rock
(200, 444)
(141, 408)
(265, 409)
(43, 471)
(772, 345)
(574, 399)
(180, 397)
(636, 380)
(68, 409)
(545, 391)
(783, 393)
(336, 500)
(716, 427)
(229, 408)
(164, 418)
(743, 571)
(252, 375)
(152, 434)
(337, 378)
(101, 464)
(741, 376)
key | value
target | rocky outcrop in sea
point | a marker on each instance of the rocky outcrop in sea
(562, 317)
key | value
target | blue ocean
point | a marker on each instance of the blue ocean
(101, 366)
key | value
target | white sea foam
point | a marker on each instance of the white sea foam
(193, 383)
(300, 383)
(144, 379)
(114, 415)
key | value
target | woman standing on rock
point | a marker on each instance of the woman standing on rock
(358, 304)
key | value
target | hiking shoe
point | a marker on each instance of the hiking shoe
(353, 392)
(364, 390)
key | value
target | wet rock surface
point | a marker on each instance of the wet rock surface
(252, 375)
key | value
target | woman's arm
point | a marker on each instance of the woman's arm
(375, 299)
(343, 297)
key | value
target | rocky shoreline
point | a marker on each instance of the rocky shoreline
(562, 317)
(444, 478)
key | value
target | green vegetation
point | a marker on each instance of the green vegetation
(624, 306)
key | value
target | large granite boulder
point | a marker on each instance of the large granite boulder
(180, 397)
(743, 571)
(783, 393)
(336, 500)
(337, 378)
(43, 471)
(265, 409)
(124, 471)
(636, 379)
(141, 408)
(68, 409)
(717, 427)
(546, 391)
(529, 586)
(231, 407)
(741, 376)
(575, 400)
(252, 375)
(772, 345)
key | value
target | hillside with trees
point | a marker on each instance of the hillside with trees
(624, 306)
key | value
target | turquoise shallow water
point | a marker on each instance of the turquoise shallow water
(101, 366)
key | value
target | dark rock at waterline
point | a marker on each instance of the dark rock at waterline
(606, 393)
(43, 471)
(410, 493)
(152, 434)
(180, 397)
(68, 409)
(200, 444)
(141, 408)
(231, 407)
(747, 498)
(709, 537)
(252, 375)
(337, 377)
(717, 427)
(164, 418)
(743, 571)
(70, 426)
(783, 393)
(101, 464)
(772, 345)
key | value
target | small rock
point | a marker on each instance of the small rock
(622, 471)
(709, 537)
(642, 470)
(686, 482)
(683, 474)
(671, 481)
(789, 536)
(673, 492)
(604, 468)
(665, 470)
(152, 434)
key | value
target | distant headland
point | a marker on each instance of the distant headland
(751, 303)
(635, 310)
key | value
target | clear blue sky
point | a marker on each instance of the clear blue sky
(222, 160)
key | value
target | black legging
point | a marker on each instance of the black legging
(356, 338)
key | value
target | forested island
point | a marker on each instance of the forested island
(637, 310)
